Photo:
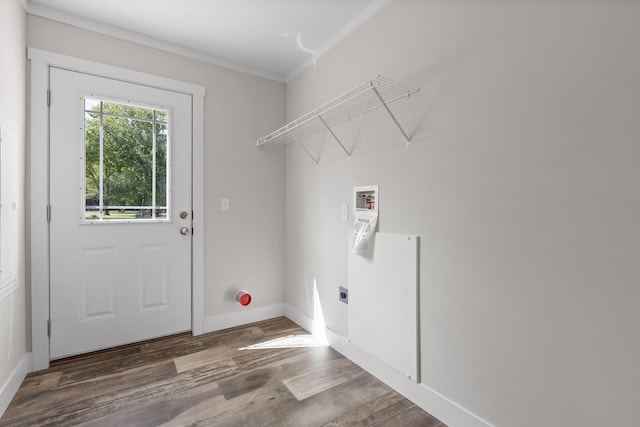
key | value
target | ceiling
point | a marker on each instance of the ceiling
(270, 38)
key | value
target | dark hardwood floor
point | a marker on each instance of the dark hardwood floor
(269, 373)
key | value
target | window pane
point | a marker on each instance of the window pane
(92, 161)
(128, 151)
(161, 164)
(91, 104)
(125, 162)
(161, 116)
(119, 212)
(127, 111)
(92, 213)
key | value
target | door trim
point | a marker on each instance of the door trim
(41, 61)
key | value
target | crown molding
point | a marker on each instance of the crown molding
(353, 25)
(134, 37)
(131, 36)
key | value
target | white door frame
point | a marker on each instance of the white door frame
(41, 61)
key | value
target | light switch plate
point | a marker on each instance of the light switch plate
(224, 204)
(344, 212)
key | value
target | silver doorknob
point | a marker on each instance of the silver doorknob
(184, 231)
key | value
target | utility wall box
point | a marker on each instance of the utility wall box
(366, 199)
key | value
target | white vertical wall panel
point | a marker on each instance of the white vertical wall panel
(383, 301)
(9, 210)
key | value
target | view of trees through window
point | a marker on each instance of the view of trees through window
(125, 157)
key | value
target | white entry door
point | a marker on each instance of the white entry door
(120, 228)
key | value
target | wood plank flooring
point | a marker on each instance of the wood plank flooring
(269, 373)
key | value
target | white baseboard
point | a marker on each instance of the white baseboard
(430, 400)
(10, 387)
(238, 318)
(304, 321)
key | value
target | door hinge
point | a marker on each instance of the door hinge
(49, 328)
(48, 213)
(48, 98)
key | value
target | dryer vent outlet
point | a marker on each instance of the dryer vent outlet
(344, 295)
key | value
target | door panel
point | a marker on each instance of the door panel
(97, 284)
(119, 274)
(154, 278)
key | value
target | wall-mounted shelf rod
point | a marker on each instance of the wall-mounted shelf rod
(370, 95)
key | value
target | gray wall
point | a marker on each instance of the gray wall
(522, 182)
(243, 247)
(13, 345)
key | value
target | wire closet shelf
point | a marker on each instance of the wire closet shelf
(369, 95)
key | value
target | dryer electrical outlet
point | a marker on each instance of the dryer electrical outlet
(344, 295)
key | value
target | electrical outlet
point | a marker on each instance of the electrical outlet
(344, 295)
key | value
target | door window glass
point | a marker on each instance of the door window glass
(125, 162)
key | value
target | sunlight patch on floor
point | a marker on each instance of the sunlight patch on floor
(317, 339)
(291, 341)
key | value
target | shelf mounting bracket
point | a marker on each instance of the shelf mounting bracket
(334, 135)
(306, 150)
(386, 107)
